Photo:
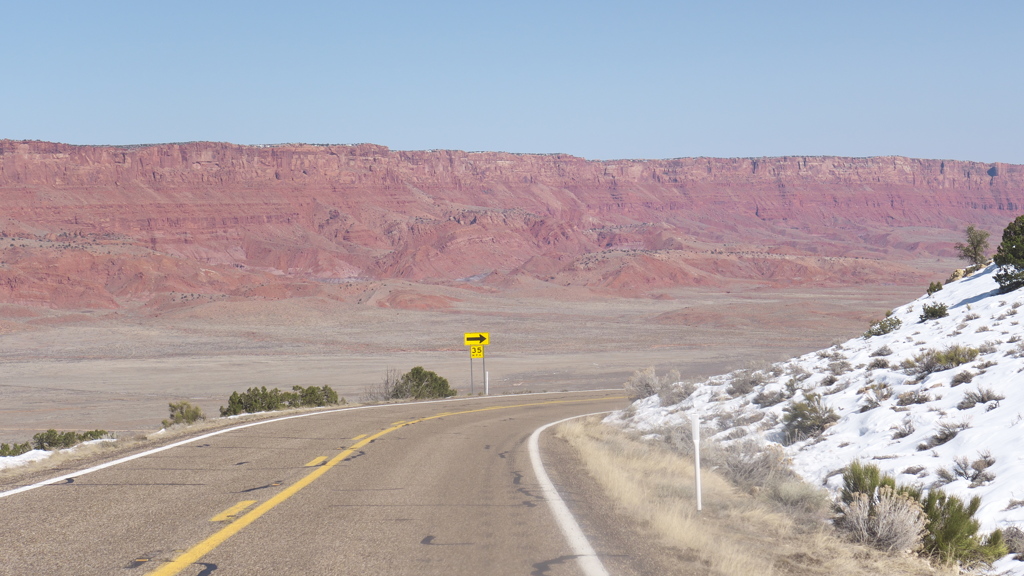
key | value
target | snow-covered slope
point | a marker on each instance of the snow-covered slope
(887, 415)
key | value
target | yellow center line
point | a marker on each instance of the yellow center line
(315, 461)
(233, 511)
(206, 546)
(358, 437)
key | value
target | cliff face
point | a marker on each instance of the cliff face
(102, 225)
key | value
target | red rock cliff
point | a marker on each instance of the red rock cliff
(261, 215)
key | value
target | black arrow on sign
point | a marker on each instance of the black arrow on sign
(479, 338)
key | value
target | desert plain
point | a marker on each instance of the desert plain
(117, 371)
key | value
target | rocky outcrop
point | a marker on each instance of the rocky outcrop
(112, 225)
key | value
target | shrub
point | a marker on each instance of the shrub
(310, 397)
(955, 355)
(876, 392)
(961, 378)
(952, 531)
(878, 363)
(946, 432)
(383, 390)
(884, 326)
(645, 383)
(799, 495)
(750, 463)
(420, 384)
(252, 400)
(934, 311)
(642, 384)
(913, 397)
(1010, 257)
(874, 510)
(744, 382)
(53, 440)
(839, 368)
(765, 398)
(262, 400)
(934, 287)
(982, 396)
(672, 391)
(883, 351)
(14, 449)
(808, 418)
(183, 413)
(930, 360)
(989, 346)
(974, 249)
(975, 471)
(1014, 538)
(863, 479)
(798, 373)
(903, 430)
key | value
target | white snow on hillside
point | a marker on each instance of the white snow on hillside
(877, 405)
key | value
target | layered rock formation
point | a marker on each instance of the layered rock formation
(106, 226)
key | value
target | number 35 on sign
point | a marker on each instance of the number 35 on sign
(476, 351)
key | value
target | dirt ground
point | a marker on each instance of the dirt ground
(117, 370)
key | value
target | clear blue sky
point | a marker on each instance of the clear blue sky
(598, 79)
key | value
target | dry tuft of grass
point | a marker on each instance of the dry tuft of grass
(738, 533)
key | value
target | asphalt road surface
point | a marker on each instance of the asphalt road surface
(424, 488)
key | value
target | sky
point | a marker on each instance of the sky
(599, 79)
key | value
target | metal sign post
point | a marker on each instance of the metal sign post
(476, 342)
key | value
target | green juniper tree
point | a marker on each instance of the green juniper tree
(1010, 257)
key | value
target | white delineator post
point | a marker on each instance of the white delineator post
(695, 423)
(487, 383)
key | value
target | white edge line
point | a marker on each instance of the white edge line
(585, 554)
(99, 467)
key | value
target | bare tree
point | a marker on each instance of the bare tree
(385, 389)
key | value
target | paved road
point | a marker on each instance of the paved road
(427, 488)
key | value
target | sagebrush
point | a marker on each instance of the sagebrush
(950, 530)
(645, 383)
(807, 418)
(183, 413)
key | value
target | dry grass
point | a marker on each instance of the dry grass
(737, 534)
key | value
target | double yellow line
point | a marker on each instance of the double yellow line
(194, 554)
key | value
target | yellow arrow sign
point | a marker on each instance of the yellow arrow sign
(477, 338)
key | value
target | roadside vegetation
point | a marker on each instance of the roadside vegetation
(416, 384)
(758, 517)
(53, 440)
(263, 400)
(183, 413)
(874, 509)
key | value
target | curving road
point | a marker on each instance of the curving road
(425, 488)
